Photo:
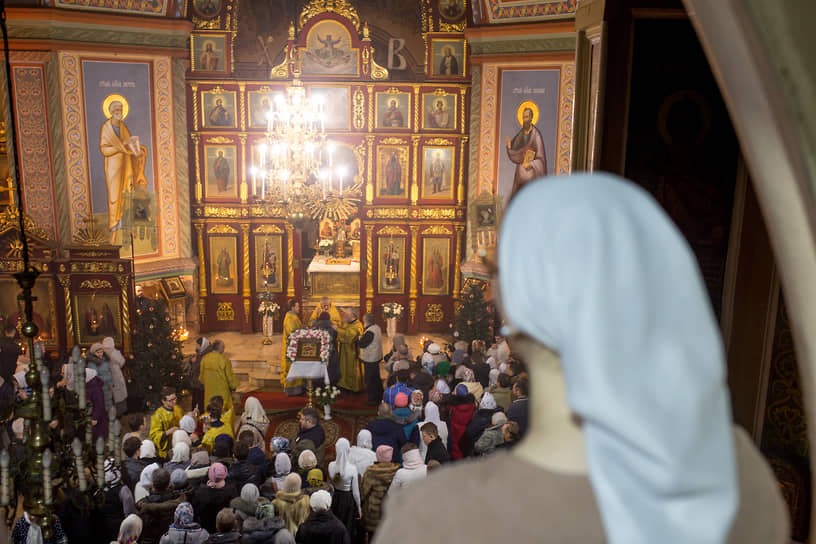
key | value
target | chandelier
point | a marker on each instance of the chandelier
(297, 168)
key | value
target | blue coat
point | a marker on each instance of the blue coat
(389, 432)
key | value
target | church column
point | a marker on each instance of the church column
(290, 258)
(412, 303)
(247, 289)
(590, 69)
(202, 276)
(369, 287)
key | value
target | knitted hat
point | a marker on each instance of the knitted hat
(443, 368)
(216, 475)
(384, 453)
(315, 477)
(434, 349)
(461, 390)
(320, 501)
(488, 402)
(188, 424)
(307, 459)
(178, 479)
(292, 483)
(401, 400)
(96, 347)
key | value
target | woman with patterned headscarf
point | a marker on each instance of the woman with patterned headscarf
(184, 530)
(118, 499)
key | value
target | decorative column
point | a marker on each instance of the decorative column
(412, 293)
(247, 290)
(65, 282)
(290, 256)
(415, 171)
(369, 287)
(369, 187)
(202, 275)
(199, 189)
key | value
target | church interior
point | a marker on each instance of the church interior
(226, 157)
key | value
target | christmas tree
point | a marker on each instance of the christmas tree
(474, 315)
(157, 359)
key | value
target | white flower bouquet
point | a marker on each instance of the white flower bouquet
(326, 395)
(392, 309)
(268, 306)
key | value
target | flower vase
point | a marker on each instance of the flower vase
(327, 411)
(391, 328)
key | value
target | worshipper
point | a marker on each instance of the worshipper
(492, 436)
(432, 416)
(481, 418)
(211, 497)
(265, 528)
(631, 436)
(215, 424)
(435, 449)
(132, 465)
(291, 322)
(328, 307)
(145, 485)
(199, 468)
(469, 381)
(9, 352)
(421, 380)
(117, 362)
(188, 425)
(181, 436)
(314, 481)
(99, 362)
(225, 528)
(519, 407)
(413, 469)
(217, 375)
(502, 350)
(147, 452)
(416, 402)
(384, 430)
(406, 417)
(94, 392)
(442, 370)
(255, 420)
(370, 344)
(180, 483)
(427, 359)
(397, 385)
(401, 361)
(310, 429)
(222, 450)
(511, 433)
(203, 347)
(283, 467)
(277, 444)
(137, 423)
(119, 501)
(181, 457)
(324, 323)
(345, 479)
(362, 455)
(291, 503)
(374, 486)
(322, 526)
(17, 449)
(396, 342)
(492, 378)
(307, 461)
(502, 393)
(158, 508)
(184, 530)
(165, 421)
(463, 406)
(247, 503)
(347, 335)
(129, 531)
(27, 531)
(241, 471)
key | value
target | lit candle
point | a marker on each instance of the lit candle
(76, 446)
(4, 478)
(46, 462)
(117, 451)
(100, 462)
(46, 402)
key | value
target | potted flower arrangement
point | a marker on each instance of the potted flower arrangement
(268, 309)
(325, 396)
(392, 311)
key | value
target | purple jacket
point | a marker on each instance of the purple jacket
(96, 396)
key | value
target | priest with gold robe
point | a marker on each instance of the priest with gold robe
(326, 306)
(347, 335)
(165, 421)
(291, 322)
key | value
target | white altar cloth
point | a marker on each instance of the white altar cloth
(318, 264)
(310, 370)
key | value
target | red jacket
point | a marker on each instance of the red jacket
(461, 412)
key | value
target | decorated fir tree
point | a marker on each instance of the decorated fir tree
(156, 360)
(474, 315)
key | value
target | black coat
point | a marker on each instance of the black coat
(242, 473)
(255, 531)
(424, 382)
(518, 412)
(482, 419)
(322, 528)
(233, 537)
(437, 451)
(9, 351)
(481, 371)
(333, 364)
(208, 501)
(389, 432)
(132, 471)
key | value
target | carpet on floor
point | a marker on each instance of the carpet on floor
(275, 400)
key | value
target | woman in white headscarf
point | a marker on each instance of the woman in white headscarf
(181, 457)
(343, 475)
(130, 530)
(147, 451)
(630, 431)
(143, 488)
(254, 419)
(283, 467)
(361, 455)
(117, 362)
(432, 415)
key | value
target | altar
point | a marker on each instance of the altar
(337, 278)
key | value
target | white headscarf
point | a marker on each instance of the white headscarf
(187, 424)
(432, 414)
(204, 343)
(342, 462)
(283, 464)
(90, 374)
(494, 376)
(181, 452)
(34, 535)
(320, 501)
(146, 477)
(364, 439)
(148, 450)
(250, 493)
(442, 386)
(626, 309)
(130, 530)
(181, 436)
(254, 411)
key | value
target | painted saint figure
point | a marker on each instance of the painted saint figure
(526, 150)
(125, 162)
(393, 176)
(223, 261)
(221, 168)
(437, 172)
(218, 116)
(449, 65)
(435, 277)
(391, 262)
(392, 116)
(209, 59)
(269, 268)
(438, 115)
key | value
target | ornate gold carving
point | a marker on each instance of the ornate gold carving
(369, 305)
(65, 282)
(388, 213)
(267, 211)
(202, 269)
(434, 313)
(218, 89)
(268, 229)
(393, 90)
(462, 92)
(194, 86)
(370, 108)
(437, 213)
(281, 71)
(94, 284)
(340, 7)
(241, 89)
(93, 267)
(369, 260)
(393, 140)
(439, 141)
(218, 140)
(247, 288)
(460, 192)
(222, 229)
(370, 178)
(199, 188)
(412, 309)
(206, 24)
(88, 234)
(202, 308)
(417, 108)
(10, 218)
(246, 308)
(413, 290)
(415, 171)
(451, 27)
(215, 211)
(359, 109)
(391, 230)
(225, 312)
(290, 256)
(437, 229)
(11, 266)
(124, 283)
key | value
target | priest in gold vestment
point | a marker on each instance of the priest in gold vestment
(291, 322)
(165, 421)
(347, 335)
(326, 306)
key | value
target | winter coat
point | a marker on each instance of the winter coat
(482, 419)
(245, 510)
(502, 396)
(103, 372)
(96, 396)
(390, 394)
(157, 513)
(117, 363)
(481, 371)
(518, 412)
(265, 531)
(208, 501)
(408, 419)
(461, 413)
(192, 534)
(293, 508)
(113, 510)
(437, 452)
(233, 537)
(373, 487)
(322, 528)
(132, 471)
(424, 382)
(242, 473)
(490, 440)
(387, 431)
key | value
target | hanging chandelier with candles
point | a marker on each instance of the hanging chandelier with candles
(296, 167)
